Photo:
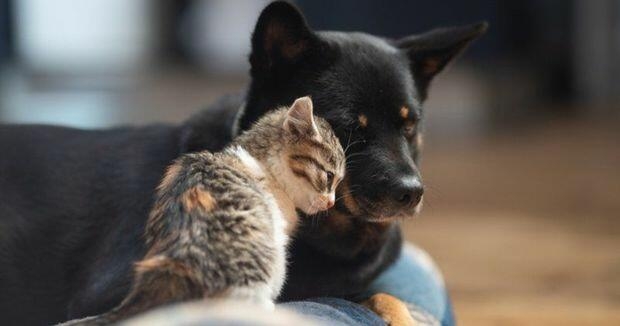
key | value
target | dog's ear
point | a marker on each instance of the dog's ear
(281, 36)
(430, 52)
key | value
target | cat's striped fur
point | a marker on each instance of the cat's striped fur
(221, 221)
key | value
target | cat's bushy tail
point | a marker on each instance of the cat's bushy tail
(159, 281)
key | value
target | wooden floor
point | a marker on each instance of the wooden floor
(526, 225)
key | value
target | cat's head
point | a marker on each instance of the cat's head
(312, 158)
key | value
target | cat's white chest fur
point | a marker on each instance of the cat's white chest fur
(280, 237)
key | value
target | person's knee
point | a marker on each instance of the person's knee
(415, 279)
(424, 260)
(334, 311)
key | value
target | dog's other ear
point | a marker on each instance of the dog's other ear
(281, 35)
(430, 52)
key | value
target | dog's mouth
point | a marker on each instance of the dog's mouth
(378, 212)
(373, 210)
(390, 218)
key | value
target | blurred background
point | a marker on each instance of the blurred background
(522, 153)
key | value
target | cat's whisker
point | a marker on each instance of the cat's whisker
(353, 162)
(348, 194)
(348, 157)
(348, 141)
(313, 217)
(317, 218)
(351, 144)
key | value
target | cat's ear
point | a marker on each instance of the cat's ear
(430, 52)
(281, 36)
(300, 119)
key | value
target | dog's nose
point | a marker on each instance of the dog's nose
(408, 192)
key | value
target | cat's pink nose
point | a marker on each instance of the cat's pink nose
(329, 200)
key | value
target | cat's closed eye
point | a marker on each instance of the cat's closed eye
(330, 177)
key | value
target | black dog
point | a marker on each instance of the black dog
(73, 203)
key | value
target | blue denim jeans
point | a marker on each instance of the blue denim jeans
(413, 278)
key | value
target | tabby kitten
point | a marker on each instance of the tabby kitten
(221, 221)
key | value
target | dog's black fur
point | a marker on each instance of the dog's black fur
(73, 203)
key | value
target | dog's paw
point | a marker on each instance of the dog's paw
(390, 309)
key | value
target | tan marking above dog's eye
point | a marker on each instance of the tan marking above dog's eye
(404, 112)
(363, 120)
